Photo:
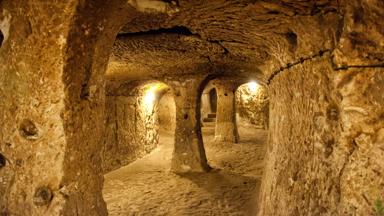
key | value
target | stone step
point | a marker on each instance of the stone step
(209, 124)
(212, 115)
(209, 119)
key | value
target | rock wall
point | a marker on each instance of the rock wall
(252, 106)
(166, 112)
(53, 60)
(132, 127)
(326, 141)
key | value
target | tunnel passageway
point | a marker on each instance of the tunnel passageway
(147, 187)
(171, 101)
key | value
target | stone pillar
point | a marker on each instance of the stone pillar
(52, 104)
(226, 127)
(189, 154)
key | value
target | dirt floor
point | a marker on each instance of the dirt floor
(146, 187)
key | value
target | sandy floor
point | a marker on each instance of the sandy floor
(146, 187)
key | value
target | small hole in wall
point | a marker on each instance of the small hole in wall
(1, 38)
(225, 94)
(43, 196)
(28, 129)
(3, 161)
(185, 116)
(292, 39)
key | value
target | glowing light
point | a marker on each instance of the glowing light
(149, 97)
(253, 86)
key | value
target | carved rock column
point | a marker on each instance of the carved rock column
(226, 127)
(189, 154)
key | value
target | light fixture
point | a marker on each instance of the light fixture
(149, 97)
(253, 86)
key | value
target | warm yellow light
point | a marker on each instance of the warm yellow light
(253, 86)
(150, 95)
(149, 98)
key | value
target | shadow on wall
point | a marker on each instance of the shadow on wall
(252, 104)
(133, 117)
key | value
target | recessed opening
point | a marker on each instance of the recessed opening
(292, 39)
(28, 130)
(1, 38)
(3, 161)
(43, 196)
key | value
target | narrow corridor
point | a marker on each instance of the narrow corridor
(146, 187)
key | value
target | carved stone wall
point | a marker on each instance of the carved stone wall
(167, 112)
(132, 124)
(252, 105)
(326, 139)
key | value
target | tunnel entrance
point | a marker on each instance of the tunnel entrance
(250, 121)
(146, 186)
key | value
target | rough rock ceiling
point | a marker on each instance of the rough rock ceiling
(241, 36)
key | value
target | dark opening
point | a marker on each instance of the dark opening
(292, 39)
(43, 196)
(213, 100)
(2, 161)
(181, 30)
(1, 38)
(28, 129)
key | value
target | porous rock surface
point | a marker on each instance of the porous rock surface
(132, 122)
(252, 106)
(322, 62)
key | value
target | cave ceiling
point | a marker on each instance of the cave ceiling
(242, 37)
